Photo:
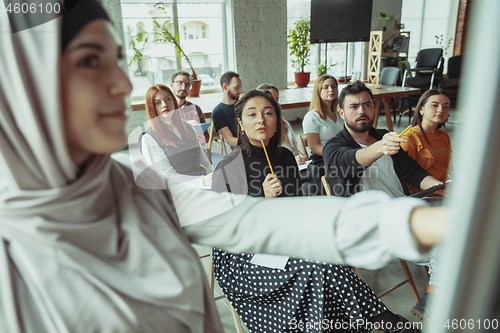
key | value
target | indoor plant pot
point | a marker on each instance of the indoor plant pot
(300, 49)
(302, 79)
(195, 88)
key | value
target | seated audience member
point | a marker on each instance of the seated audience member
(171, 143)
(425, 142)
(361, 158)
(320, 124)
(181, 86)
(304, 291)
(223, 113)
(288, 137)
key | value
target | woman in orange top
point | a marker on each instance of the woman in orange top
(426, 142)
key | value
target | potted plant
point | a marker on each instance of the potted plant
(322, 69)
(385, 18)
(166, 33)
(300, 49)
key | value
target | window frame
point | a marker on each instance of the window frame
(225, 5)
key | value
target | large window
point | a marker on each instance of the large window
(200, 26)
(335, 53)
(432, 24)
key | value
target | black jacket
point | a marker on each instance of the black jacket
(344, 172)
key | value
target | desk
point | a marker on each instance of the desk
(383, 94)
(301, 97)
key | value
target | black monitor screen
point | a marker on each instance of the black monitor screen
(340, 20)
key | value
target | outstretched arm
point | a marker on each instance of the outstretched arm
(389, 145)
(366, 230)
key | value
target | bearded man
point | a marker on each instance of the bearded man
(223, 114)
(361, 158)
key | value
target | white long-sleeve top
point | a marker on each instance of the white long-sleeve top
(154, 154)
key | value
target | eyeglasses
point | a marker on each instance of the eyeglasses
(181, 83)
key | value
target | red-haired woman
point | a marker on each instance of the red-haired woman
(171, 143)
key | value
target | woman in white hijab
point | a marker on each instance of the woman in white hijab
(84, 249)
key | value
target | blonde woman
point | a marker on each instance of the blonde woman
(322, 122)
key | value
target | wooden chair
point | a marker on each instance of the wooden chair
(211, 134)
(302, 144)
(211, 282)
(404, 265)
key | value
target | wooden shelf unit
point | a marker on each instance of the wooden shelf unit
(377, 43)
(374, 56)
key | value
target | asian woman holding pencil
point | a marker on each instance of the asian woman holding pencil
(426, 142)
(259, 118)
(171, 144)
(302, 291)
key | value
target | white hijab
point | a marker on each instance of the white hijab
(81, 252)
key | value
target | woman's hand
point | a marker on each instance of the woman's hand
(272, 186)
(207, 180)
(301, 159)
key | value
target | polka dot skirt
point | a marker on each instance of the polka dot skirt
(305, 293)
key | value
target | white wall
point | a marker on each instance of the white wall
(386, 6)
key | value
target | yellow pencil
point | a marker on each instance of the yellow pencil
(406, 129)
(299, 151)
(267, 156)
(205, 167)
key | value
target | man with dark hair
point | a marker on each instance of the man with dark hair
(181, 86)
(361, 158)
(223, 114)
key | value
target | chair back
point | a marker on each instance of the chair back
(454, 66)
(329, 192)
(429, 58)
(389, 76)
(211, 139)
(302, 144)
(211, 282)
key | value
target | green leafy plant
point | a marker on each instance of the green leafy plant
(138, 43)
(164, 32)
(385, 18)
(322, 69)
(299, 44)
